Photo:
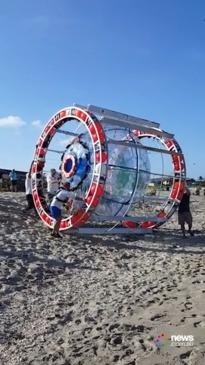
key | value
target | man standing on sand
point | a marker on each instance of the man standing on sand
(53, 182)
(1, 180)
(28, 190)
(13, 180)
(184, 214)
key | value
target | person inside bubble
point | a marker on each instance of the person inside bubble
(62, 196)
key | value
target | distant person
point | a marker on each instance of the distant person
(62, 197)
(184, 213)
(1, 180)
(6, 182)
(13, 180)
(53, 183)
(28, 190)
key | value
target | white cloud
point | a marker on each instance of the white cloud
(37, 123)
(11, 121)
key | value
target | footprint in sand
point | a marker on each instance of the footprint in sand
(199, 324)
(188, 305)
(157, 316)
(185, 355)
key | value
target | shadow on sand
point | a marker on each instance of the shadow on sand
(160, 241)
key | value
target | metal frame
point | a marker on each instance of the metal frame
(108, 231)
(103, 112)
(140, 129)
(115, 118)
(104, 218)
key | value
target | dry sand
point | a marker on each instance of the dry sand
(99, 300)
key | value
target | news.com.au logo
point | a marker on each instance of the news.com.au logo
(182, 340)
(163, 340)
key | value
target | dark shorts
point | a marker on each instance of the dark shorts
(30, 202)
(185, 217)
(55, 212)
(13, 182)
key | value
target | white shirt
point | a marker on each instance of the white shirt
(63, 195)
(53, 182)
(28, 186)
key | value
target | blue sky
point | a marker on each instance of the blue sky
(142, 57)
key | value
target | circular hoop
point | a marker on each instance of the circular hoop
(176, 194)
(96, 188)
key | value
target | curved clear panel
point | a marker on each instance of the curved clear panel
(127, 172)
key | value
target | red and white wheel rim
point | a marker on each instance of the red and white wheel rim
(178, 186)
(96, 188)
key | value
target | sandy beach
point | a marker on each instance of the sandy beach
(100, 300)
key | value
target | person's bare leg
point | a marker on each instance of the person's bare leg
(190, 230)
(56, 227)
(183, 229)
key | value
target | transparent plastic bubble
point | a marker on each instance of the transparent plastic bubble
(127, 173)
